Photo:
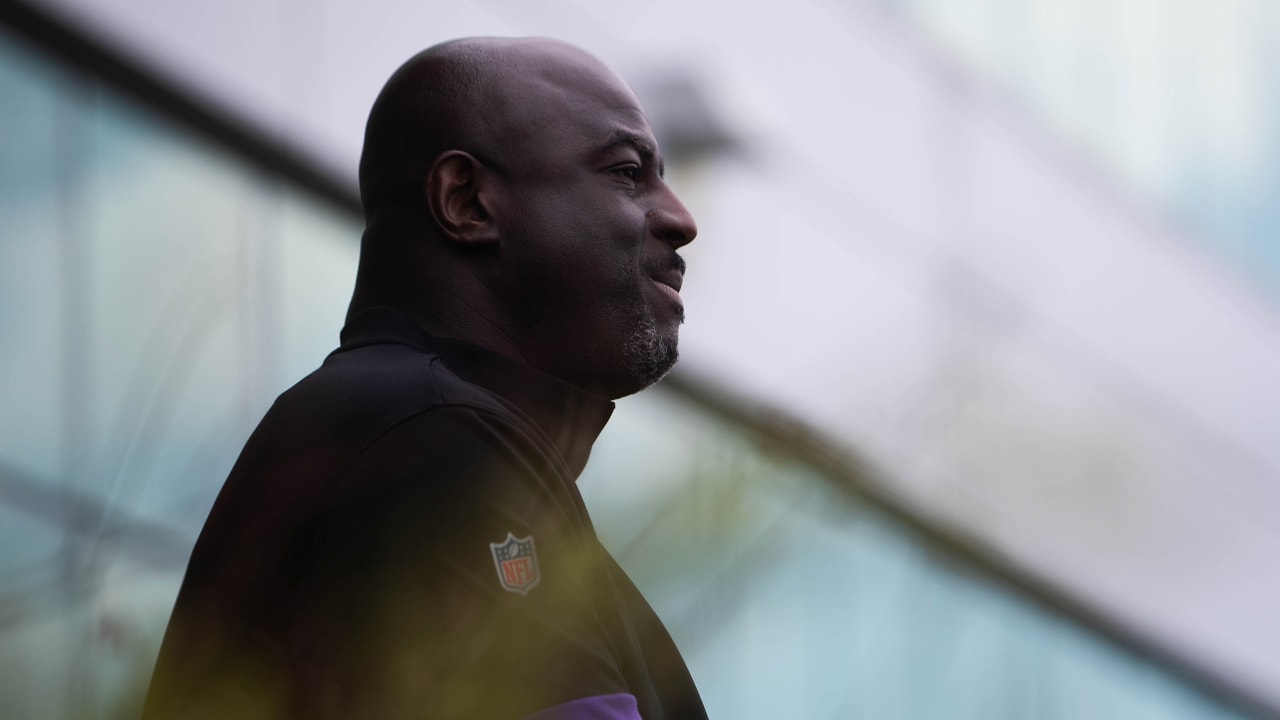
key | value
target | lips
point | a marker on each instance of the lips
(671, 281)
(668, 282)
(668, 277)
(671, 293)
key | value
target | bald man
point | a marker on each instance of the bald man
(402, 536)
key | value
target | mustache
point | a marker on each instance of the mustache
(673, 262)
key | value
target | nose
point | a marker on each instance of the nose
(670, 221)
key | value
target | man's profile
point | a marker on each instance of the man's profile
(402, 536)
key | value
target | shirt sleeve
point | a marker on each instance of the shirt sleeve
(450, 576)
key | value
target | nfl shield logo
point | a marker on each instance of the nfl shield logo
(517, 563)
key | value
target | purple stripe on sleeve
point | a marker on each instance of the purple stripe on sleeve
(620, 706)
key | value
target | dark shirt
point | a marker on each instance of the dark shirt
(402, 536)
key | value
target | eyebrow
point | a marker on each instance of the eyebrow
(644, 146)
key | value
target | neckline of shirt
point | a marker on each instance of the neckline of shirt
(570, 417)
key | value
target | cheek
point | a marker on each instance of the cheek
(577, 248)
(601, 233)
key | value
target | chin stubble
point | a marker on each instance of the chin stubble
(649, 356)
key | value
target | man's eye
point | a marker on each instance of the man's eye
(630, 172)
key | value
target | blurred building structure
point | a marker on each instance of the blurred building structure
(970, 423)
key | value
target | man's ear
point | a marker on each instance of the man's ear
(458, 193)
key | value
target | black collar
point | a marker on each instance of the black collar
(569, 416)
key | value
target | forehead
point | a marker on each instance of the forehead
(564, 100)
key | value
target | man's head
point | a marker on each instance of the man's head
(514, 195)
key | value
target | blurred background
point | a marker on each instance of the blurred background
(979, 408)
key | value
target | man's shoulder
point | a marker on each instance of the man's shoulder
(372, 388)
(351, 406)
(383, 406)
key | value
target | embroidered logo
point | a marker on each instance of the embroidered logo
(517, 563)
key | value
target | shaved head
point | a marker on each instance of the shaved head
(468, 94)
(431, 104)
(514, 196)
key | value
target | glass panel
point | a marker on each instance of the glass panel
(148, 327)
(790, 598)
(29, 281)
(166, 264)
